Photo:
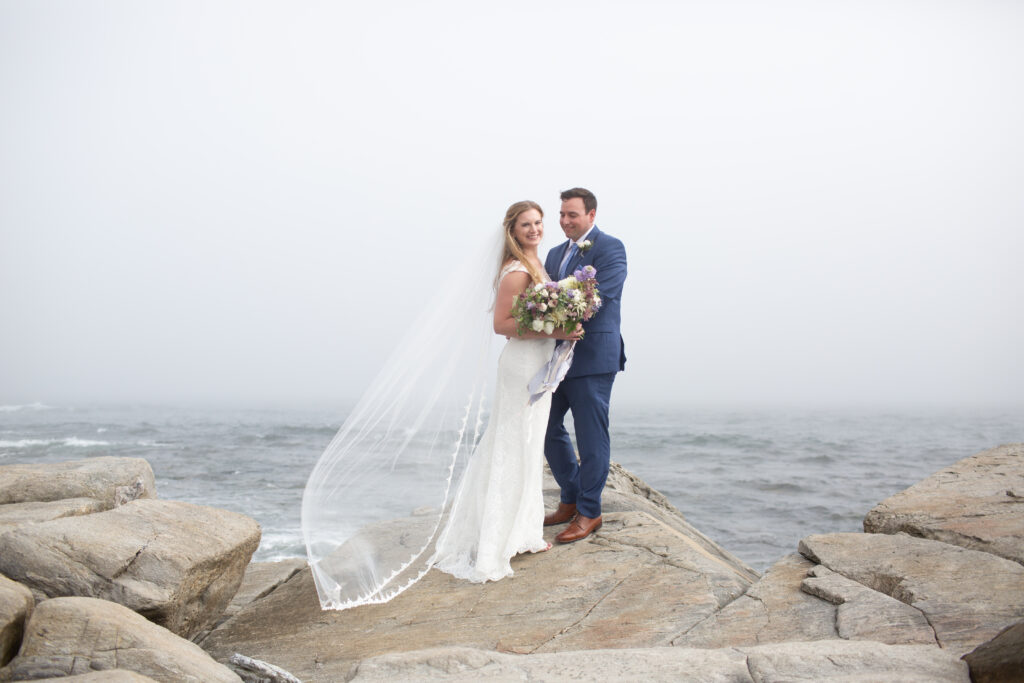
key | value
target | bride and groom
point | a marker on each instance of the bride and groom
(498, 509)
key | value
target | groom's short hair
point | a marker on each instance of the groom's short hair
(589, 200)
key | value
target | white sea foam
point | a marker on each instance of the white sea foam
(283, 544)
(25, 443)
(283, 555)
(71, 441)
(75, 441)
(28, 406)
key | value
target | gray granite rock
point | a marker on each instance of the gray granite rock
(967, 596)
(772, 610)
(464, 665)
(112, 481)
(16, 604)
(111, 676)
(853, 661)
(823, 660)
(626, 492)
(976, 503)
(69, 636)
(176, 563)
(865, 614)
(1000, 659)
(797, 600)
(637, 582)
(14, 515)
(260, 579)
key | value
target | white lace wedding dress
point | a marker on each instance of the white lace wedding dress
(498, 510)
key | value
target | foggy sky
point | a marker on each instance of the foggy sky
(247, 201)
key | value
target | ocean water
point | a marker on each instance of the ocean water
(754, 481)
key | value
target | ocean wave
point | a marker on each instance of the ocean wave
(722, 440)
(819, 459)
(287, 554)
(24, 443)
(282, 544)
(70, 441)
(28, 406)
(781, 487)
(74, 441)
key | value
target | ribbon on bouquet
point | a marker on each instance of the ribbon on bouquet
(550, 376)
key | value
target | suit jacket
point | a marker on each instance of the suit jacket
(601, 350)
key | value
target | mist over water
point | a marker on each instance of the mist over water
(753, 481)
(249, 201)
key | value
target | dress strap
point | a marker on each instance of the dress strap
(515, 266)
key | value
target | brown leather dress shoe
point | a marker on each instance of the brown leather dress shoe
(580, 528)
(564, 513)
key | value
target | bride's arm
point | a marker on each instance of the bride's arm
(504, 324)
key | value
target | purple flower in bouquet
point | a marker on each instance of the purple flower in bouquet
(585, 273)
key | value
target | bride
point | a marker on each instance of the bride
(378, 510)
(498, 510)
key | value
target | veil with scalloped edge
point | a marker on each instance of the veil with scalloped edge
(376, 500)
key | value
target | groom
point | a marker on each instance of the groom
(587, 387)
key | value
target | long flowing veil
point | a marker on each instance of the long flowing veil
(376, 500)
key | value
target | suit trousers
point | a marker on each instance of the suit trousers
(588, 398)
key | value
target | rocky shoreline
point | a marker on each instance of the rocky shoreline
(102, 581)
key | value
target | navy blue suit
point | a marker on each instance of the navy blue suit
(587, 387)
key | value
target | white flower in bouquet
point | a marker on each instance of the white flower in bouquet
(548, 306)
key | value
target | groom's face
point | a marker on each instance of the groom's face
(574, 218)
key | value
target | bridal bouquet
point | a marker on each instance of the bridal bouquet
(558, 305)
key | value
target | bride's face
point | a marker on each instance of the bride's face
(529, 229)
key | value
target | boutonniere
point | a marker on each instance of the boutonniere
(585, 246)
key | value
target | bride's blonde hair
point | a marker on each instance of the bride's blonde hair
(512, 250)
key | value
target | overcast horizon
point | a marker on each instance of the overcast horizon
(245, 202)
